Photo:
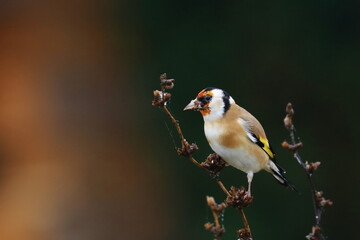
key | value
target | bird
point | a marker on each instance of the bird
(236, 135)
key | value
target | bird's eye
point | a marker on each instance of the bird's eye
(205, 99)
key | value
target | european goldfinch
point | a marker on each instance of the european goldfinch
(236, 135)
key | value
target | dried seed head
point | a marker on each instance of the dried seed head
(291, 147)
(163, 76)
(315, 233)
(209, 226)
(187, 149)
(167, 97)
(160, 98)
(217, 208)
(288, 122)
(213, 164)
(239, 197)
(289, 109)
(166, 83)
(217, 231)
(243, 234)
(210, 201)
(321, 201)
(193, 148)
(285, 145)
(312, 167)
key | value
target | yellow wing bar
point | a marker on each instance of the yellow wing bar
(266, 147)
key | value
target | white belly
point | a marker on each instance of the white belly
(239, 157)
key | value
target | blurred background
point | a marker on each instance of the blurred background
(84, 155)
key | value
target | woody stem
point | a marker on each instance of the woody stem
(184, 143)
(246, 224)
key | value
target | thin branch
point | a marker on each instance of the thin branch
(319, 202)
(223, 187)
(186, 149)
(246, 224)
(217, 210)
(239, 199)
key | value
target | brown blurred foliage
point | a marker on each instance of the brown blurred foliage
(67, 170)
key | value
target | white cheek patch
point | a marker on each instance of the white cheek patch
(216, 110)
(217, 106)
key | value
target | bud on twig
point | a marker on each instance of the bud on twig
(213, 229)
(166, 83)
(160, 98)
(291, 147)
(288, 119)
(217, 208)
(187, 149)
(321, 201)
(315, 233)
(312, 167)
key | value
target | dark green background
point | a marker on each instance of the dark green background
(265, 54)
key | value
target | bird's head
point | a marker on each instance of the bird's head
(211, 102)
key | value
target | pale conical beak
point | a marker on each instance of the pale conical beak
(192, 105)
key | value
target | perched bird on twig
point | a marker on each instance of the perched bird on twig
(236, 135)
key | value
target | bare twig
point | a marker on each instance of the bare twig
(221, 185)
(213, 164)
(239, 199)
(319, 202)
(217, 210)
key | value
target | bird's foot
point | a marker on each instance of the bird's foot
(248, 193)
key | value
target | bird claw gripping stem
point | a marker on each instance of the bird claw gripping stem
(239, 198)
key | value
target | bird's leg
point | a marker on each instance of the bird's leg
(249, 177)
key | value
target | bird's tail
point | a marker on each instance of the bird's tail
(278, 174)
